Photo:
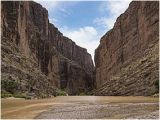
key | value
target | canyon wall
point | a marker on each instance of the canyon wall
(28, 35)
(127, 58)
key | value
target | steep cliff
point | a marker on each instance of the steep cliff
(27, 33)
(127, 57)
(75, 64)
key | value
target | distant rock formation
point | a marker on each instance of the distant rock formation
(127, 58)
(32, 47)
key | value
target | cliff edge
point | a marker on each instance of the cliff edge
(126, 61)
(32, 47)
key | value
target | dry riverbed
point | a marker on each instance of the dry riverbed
(84, 107)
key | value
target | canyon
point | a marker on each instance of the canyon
(37, 59)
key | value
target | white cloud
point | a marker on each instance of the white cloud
(55, 7)
(114, 9)
(86, 37)
(86, 33)
(105, 22)
(49, 5)
(117, 7)
(53, 20)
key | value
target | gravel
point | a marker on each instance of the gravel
(101, 111)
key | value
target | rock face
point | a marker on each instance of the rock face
(127, 57)
(74, 63)
(26, 28)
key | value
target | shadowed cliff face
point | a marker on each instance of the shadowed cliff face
(26, 26)
(127, 57)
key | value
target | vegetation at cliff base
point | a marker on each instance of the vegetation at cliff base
(157, 84)
(60, 92)
(5, 94)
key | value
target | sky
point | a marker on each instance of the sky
(85, 22)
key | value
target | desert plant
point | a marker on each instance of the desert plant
(5, 94)
(18, 95)
(60, 92)
(82, 94)
(9, 86)
(21, 95)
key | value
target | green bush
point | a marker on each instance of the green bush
(82, 94)
(9, 86)
(21, 95)
(18, 95)
(60, 92)
(5, 94)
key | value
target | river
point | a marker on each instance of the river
(83, 107)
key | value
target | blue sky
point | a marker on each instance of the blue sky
(85, 22)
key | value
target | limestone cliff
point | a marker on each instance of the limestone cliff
(26, 28)
(127, 57)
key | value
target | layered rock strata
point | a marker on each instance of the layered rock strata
(127, 58)
(25, 26)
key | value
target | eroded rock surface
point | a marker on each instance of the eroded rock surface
(127, 58)
(26, 27)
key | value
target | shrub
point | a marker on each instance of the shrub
(9, 86)
(82, 94)
(20, 95)
(5, 94)
(60, 92)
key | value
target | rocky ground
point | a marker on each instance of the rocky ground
(84, 107)
(102, 111)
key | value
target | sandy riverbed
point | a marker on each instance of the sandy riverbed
(81, 107)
